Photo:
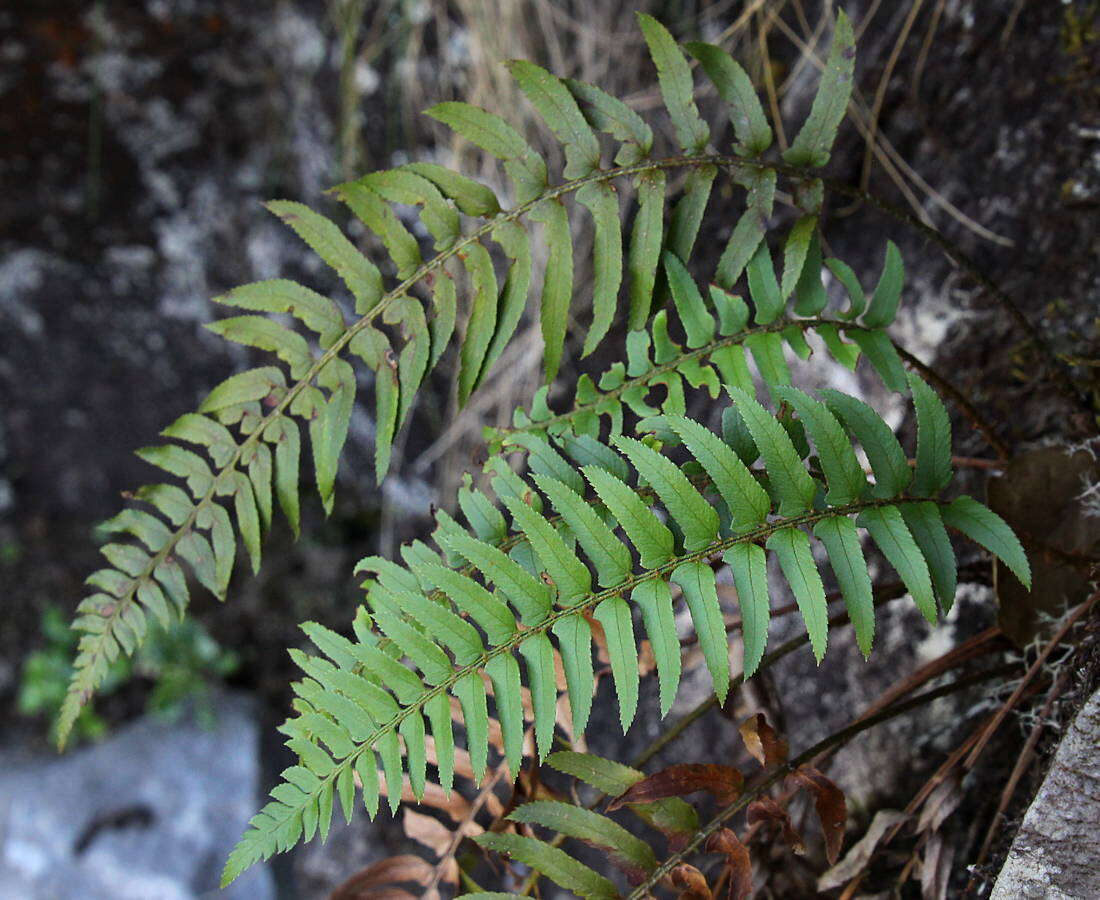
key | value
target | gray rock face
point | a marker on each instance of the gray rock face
(149, 814)
(1056, 853)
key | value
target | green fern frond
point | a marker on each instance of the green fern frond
(615, 542)
(248, 431)
(718, 335)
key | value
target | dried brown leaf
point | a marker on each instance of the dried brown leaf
(762, 741)
(724, 783)
(559, 672)
(462, 765)
(690, 882)
(944, 800)
(599, 639)
(496, 736)
(935, 873)
(448, 874)
(767, 812)
(428, 831)
(647, 660)
(738, 860)
(563, 716)
(455, 806)
(378, 880)
(832, 809)
(860, 853)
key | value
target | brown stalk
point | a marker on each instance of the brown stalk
(1025, 682)
(834, 740)
(1023, 762)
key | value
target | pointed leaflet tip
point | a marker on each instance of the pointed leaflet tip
(884, 302)
(814, 141)
(985, 527)
(677, 86)
(557, 107)
(734, 86)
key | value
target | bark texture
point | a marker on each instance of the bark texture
(1056, 852)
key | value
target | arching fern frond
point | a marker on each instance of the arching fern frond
(247, 434)
(718, 335)
(627, 533)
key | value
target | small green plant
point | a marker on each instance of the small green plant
(602, 517)
(47, 672)
(182, 662)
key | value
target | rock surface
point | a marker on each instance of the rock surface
(1056, 853)
(149, 814)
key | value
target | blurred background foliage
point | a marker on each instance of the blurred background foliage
(179, 665)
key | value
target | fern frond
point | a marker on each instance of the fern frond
(249, 427)
(657, 801)
(604, 552)
(718, 335)
(814, 141)
(260, 457)
(629, 853)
